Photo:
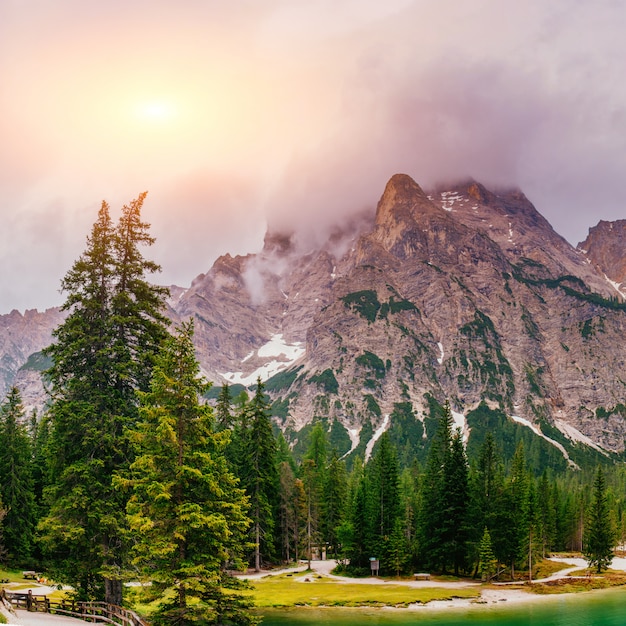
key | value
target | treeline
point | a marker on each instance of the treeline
(446, 515)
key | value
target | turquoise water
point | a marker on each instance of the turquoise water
(600, 608)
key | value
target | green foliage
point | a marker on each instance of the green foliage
(372, 363)
(338, 438)
(214, 391)
(407, 434)
(256, 467)
(102, 355)
(580, 291)
(487, 563)
(371, 404)
(280, 407)
(599, 531)
(37, 362)
(508, 434)
(604, 413)
(365, 303)
(187, 513)
(283, 380)
(16, 487)
(326, 380)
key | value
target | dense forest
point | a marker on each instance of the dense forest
(132, 473)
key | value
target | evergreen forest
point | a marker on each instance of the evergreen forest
(133, 474)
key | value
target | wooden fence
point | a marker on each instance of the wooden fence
(96, 612)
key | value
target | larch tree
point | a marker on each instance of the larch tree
(102, 355)
(187, 512)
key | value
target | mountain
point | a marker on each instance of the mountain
(604, 247)
(458, 294)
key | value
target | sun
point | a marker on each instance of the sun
(155, 111)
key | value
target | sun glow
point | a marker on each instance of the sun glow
(155, 111)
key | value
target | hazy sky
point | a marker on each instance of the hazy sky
(238, 114)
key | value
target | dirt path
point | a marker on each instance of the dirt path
(24, 618)
(324, 568)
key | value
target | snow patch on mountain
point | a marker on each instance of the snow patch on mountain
(281, 353)
(375, 437)
(615, 286)
(576, 436)
(537, 431)
(353, 433)
(461, 423)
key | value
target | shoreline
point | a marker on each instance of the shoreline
(490, 596)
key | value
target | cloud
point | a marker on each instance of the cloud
(294, 114)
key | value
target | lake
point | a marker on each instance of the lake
(598, 608)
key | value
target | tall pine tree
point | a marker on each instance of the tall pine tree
(257, 469)
(102, 354)
(16, 482)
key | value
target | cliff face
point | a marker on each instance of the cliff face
(461, 293)
(605, 247)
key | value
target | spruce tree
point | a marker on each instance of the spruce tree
(223, 408)
(102, 354)
(258, 472)
(187, 513)
(385, 498)
(599, 530)
(432, 519)
(455, 520)
(487, 560)
(335, 490)
(16, 482)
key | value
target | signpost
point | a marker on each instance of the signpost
(374, 565)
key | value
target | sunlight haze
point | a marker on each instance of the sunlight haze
(294, 115)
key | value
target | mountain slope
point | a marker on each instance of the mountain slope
(459, 293)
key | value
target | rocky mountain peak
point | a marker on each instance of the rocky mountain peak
(605, 247)
(278, 243)
(403, 198)
(407, 221)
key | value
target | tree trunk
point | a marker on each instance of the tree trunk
(113, 591)
(257, 549)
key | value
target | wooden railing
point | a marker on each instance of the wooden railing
(96, 612)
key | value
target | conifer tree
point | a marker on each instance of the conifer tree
(258, 472)
(487, 562)
(432, 522)
(455, 520)
(16, 483)
(385, 497)
(223, 408)
(335, 490)
(310, 515)
(599, 530)
(286, 511)
(102, 354)
(187, 513)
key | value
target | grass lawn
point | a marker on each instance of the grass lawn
(280, 592)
